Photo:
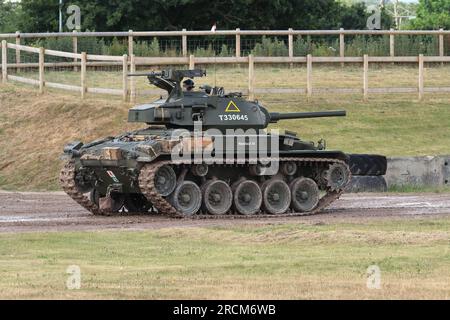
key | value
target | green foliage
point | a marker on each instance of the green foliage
(39, 16)
(225, 52)
(122, 15)
(204, 52)
(143, 49)
(414, 45)
(432, 14)
(9, 17)
(270, 48)
(61, 44)
(116, 48)
(373, 46)
(91, 45)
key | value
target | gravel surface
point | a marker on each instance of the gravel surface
(54, 211)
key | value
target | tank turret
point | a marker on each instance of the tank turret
(211, 106)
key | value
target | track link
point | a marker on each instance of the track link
(147, 186)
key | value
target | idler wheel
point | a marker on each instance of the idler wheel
(165, 180)
(276, 196)
(305, 194)
(217, 197)
(337, 176)
(247, 197)
(187, 198)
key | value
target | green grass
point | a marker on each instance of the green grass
(267, 262)
(416, 189)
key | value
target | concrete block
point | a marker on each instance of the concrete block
(418, 171)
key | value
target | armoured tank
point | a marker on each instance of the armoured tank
(204, 153)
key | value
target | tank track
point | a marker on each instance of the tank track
(67, 182)
(146, 184)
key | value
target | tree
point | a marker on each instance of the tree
(39, 16)
(122, 15)
(9, 16)
(432, 14)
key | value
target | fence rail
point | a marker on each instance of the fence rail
(129, 63)
(184, 34)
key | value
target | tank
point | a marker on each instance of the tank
(204, 153)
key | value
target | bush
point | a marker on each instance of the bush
(116, 48)
(144, 49)
(270, 48)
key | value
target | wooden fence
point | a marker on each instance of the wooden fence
(184, 34)
(128, 64)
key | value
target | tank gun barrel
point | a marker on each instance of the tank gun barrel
(146, 74)
(276, 116)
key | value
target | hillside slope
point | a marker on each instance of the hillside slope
(34, 128)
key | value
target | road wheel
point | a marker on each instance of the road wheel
(305, 194)
(217, 197)
(187, 198)
(247, 197)
(276, 196)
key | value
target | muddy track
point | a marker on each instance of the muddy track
(55, 211)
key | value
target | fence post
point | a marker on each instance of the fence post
(366, 77)
(125, 77)
(392, 44)
(191, 62)
(421, 77)
(17, 49)
(341, 45)
(291, 45)
(4, 62)
(75, 49)
(309, 75)
(133, 79)
(184, 43)
(238, 43)
(41, 69)
(130, 43)
(441, 45)
(83, 74)
(251, 77)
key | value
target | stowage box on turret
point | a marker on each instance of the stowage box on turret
(207, 152)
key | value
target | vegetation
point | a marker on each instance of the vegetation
(432, 14)
(9, 16)
(198, 15)
(418, 189)
(272, 261)
(265, 46)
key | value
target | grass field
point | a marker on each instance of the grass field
(268, 76)
(34, 128)
(287, 261)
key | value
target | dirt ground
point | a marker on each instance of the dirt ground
(54, 211)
